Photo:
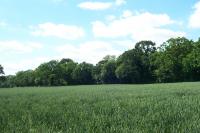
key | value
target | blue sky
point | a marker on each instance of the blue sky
(36, 31)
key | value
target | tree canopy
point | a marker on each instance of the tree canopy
(176, 60)
(1, 70)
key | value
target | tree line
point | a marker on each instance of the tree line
(176, 60)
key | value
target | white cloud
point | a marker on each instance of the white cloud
(3, 24)
(127, 13)
(13, 49)
(91, 51)
(95, 5)
(194, 21)
(141, 26)
(22, 65)
(110, 17)
(19, 47)
(124, 45)
(120, 2)
(69, 32)
(89, 5)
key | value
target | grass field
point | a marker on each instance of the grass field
(101, 108)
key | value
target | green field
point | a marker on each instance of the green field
(101, 108)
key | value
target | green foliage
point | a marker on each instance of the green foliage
(176, 60)
(48, 74)
(127, 73)
(67, 67)
(2, 77)
(191, 63)
(128, 67)
(169, 60)
(54, 73)
(163, 67)
(108, 72)
(1, 70)
(134, 65)
(146, 47)
(104, 71)
(25, 78)
(162, 108)
(82, 74)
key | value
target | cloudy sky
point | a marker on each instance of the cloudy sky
(36, 31)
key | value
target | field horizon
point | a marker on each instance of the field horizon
(171, 107)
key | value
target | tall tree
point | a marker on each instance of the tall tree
(108, 72)
(2, 77)
(191, 63)
(104, 71)
(1, 70)
(146, 49)
(134, 65)
(169, 61)
(25, 78)
(128, 67)
(49, 74)
(67, 66)
(82, 74)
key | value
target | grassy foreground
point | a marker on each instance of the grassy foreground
(102, 108)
